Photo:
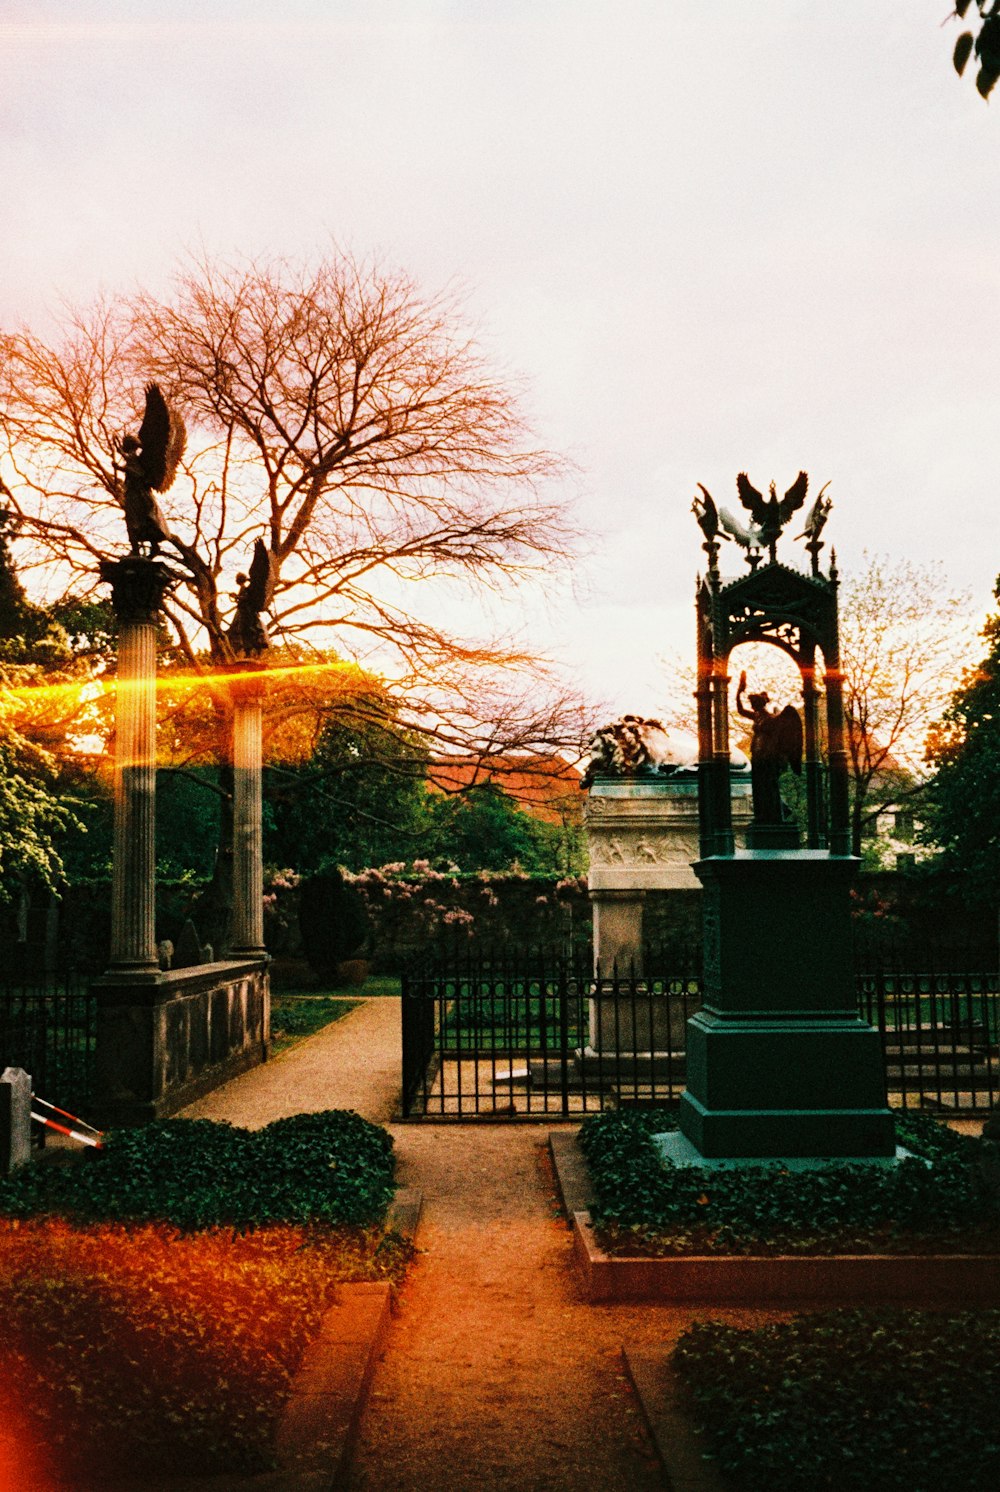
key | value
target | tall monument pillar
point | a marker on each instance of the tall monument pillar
(779, 1062)
(137, 589)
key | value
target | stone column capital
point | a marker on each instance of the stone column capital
(138, 586)
(245, 680)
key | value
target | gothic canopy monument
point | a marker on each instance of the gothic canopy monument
(778, 1061)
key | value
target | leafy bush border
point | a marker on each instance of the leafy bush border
(647, 1206)
(851, 1400)
(330, 1167)
(131, 1347)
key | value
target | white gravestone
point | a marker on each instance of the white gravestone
(15, 1119)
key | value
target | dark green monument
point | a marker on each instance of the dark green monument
(778, 1061)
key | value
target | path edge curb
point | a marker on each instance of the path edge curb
(680, 1447)
(319, 1428)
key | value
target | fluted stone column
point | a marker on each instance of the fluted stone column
(248, 848)
(137, 589)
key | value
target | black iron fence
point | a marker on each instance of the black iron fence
(539, 1037)
(50, 1029)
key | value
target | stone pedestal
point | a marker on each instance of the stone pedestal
(163, 1040)
(617, 931)
(650, 1025)
(778, 1060)
(642, 835)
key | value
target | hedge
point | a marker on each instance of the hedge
(646, 1205)
(329, 1167)
(851, 1400)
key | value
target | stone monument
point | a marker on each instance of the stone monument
(641, 820)
(778, 1061)
(15, 1119)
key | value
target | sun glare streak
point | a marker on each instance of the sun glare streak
(76, 692)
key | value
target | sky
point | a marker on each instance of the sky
(757, 235)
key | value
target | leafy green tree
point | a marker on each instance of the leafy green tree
(481, 828)
(32, 816)
(983, 44)
(962, 809)
(359, 798)
(39, 809)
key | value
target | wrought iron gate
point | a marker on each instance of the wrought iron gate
(537, 1038)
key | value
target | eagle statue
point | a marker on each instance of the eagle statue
(150, 462)
(772, 513)
(749, 538)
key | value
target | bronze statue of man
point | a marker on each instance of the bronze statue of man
(775, 743)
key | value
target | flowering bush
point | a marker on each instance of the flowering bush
(281, 912)
(411, 905)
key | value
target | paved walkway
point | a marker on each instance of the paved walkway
(496, 1374)
(353, 1064)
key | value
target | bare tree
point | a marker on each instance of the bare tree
(904, 637)
(338, 414)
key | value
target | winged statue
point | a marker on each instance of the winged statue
(772, 513)
(248, 634)
(150, 462)
(815, 523)
(775, 743)
(707, 514)
(749, 537)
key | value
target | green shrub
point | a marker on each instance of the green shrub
(853, 1400)
(643, 1204)
(130, 1348)
(332, 920)
(329, 1167)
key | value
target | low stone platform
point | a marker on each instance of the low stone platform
(679, 1151)
(835, 1279)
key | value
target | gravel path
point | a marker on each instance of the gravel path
(353, 1064)
(496, 1373)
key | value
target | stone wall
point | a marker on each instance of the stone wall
(164, 1040)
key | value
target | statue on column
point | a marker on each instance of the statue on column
(248, 635)
(150, 462)
(775, 743)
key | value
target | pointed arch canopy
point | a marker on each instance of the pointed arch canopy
(797, 613)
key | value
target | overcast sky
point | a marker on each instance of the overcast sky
(759, 234)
